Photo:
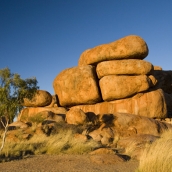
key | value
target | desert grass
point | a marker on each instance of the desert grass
(62, 142)
(158, 156)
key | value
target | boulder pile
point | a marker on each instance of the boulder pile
(113, 91)
(114, 73)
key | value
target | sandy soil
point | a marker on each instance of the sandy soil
(65, 163)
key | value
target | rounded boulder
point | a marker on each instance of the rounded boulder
(40, 99)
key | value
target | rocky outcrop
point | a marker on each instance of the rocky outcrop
(77, 85)
(114, 96)
(40, 99)
(122, 125)
(129, 47)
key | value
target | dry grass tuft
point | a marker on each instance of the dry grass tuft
(62, 142)
(158, 156)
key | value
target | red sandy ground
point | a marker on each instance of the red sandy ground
(65, 163)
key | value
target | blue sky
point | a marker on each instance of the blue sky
(43, 37)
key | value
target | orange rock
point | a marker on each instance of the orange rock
(77, 85)
(124, 67)
(102, 151)
(76, 116)
(153, 81)
(151, 104)
(129, 47)
(117, 87)
(125, 123)
(28, 113)
(157, 68)
(40, 99)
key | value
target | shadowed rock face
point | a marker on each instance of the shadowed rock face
(129, 47)
(77, 85)
(164, 79)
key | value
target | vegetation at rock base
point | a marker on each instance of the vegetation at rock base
(158, 156)
(12, 91)
(63, 141)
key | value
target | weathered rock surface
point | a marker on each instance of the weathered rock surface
(125, 123)
(129, 47)
(77, 85)
(124, 67)
(27, 114)
(76, 116)
(103, 135)
(151, 104)
(40, 99)
(117, 87)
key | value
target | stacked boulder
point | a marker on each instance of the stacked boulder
(41, 107)
(113, 93)
(113, 78)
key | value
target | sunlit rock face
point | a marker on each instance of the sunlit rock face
(149, 104)
(77, 85)
(129, 47)
(118, 87)
(124, 67)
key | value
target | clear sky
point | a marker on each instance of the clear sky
(43, 37)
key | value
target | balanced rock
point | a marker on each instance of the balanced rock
(117, 87)
(124, 67)
(129, 47)
(40, 99)
(76, 116)
(77, 85)
(150, 104)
